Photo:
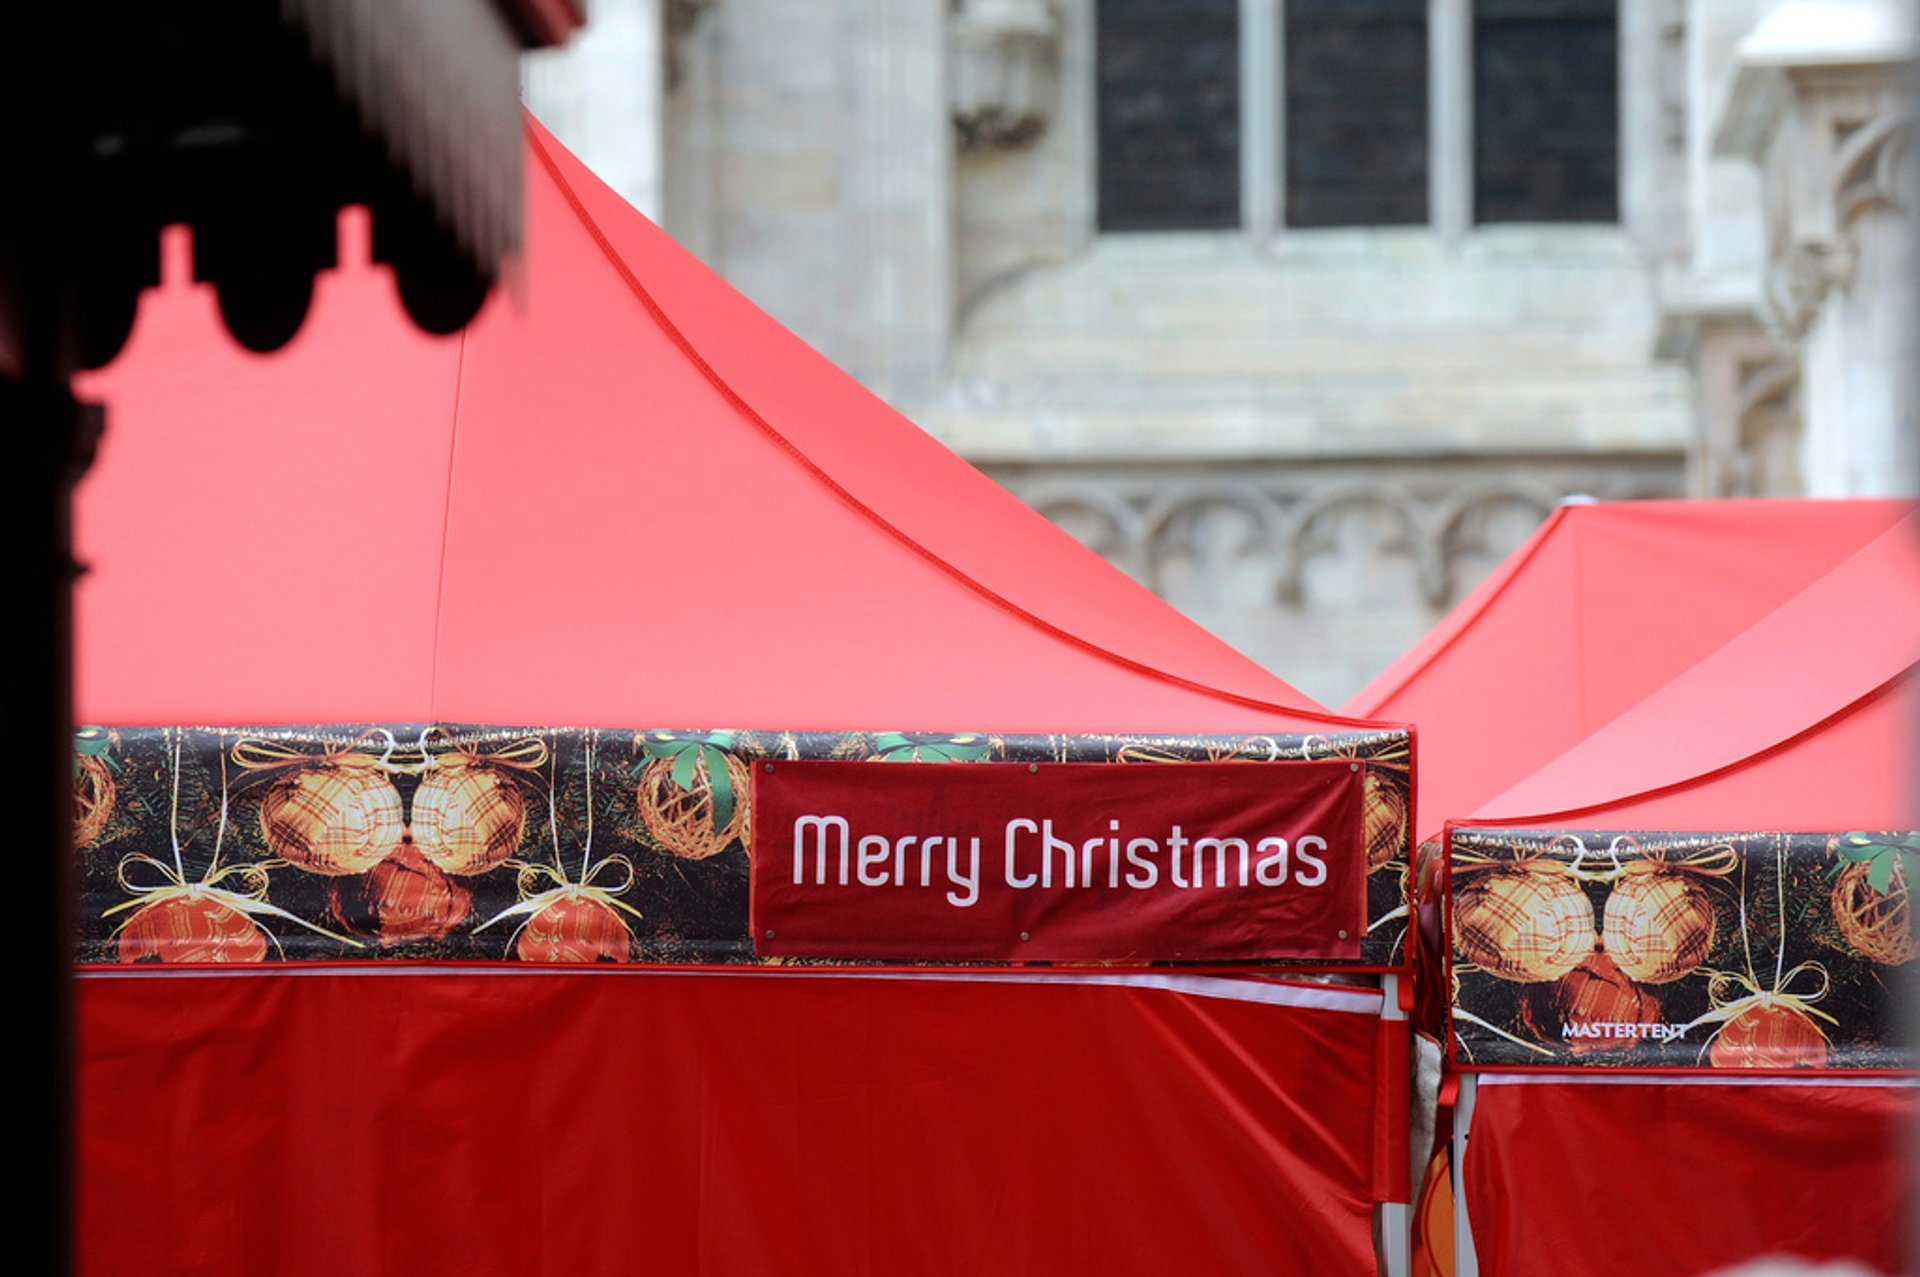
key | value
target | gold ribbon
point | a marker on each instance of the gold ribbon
(1716, 861)
(1530, 860)
(532, 900)
(1461, 1013)
(1458, 1012)
(257, 754)
(1260, 749)
(1722, 984)
(1395, 754)
(529, 753)
(250, 899)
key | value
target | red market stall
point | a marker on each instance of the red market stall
(1668, 959)
(401, 656)
(1603, 605)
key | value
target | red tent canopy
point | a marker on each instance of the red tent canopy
(1603, 606)
(1801, 723)
(626, 497)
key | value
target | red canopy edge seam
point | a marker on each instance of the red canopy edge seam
(1514, 567)
(1690, 782)
(873, 516)
(446, 529)
(1575, 560)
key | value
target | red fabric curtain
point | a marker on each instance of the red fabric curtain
(1606, 1178)
(705, 1123)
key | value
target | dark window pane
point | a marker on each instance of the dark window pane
(1169, 86)
(1545, 111)
(1356, 112)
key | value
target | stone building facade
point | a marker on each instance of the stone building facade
(1303, 312)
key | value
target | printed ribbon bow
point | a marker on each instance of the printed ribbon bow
(532, 901)
(251, 899)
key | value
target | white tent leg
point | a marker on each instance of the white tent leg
(1395, 1237)
(1466, 1261)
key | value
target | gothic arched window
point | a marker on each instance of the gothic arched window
(1310, 113)
(1169, 114)
(1355, 93)
(1546, 111)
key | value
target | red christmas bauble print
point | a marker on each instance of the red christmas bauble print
(404, 898)
(190, 928)
(1769, 1035)
(1591, 1009)
(575, 928)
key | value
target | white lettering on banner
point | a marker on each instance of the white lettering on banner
(1608, 1029)
(1315, 869)
(819, 825)
(1036, 854)
(1017, 879)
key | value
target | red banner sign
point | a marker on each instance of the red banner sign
(1192, 862)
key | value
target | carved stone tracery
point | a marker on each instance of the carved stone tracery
(1001, 65)
(1848, 156)
(1286, 520)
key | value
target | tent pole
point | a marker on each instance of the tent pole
(1466, 1260)
(1395, 1238)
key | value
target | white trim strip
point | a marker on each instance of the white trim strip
(1228, 988)
(1685, 1079)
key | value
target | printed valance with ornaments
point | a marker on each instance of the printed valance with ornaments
(1644, 950)
(443, 842)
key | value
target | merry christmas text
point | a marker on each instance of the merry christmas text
(1033, 853)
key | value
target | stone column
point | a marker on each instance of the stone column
(897, 175)
(1818, 103)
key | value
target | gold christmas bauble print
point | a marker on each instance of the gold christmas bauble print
(93, 795)
(680, 821)
(1525, 923)
(1879, 925)
(468, 817)
(1658, 926)
(341, 816)
(1385, 817)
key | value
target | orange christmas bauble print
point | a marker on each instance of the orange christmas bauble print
(1590, 1009)
(403, 898)
(575, 927)
(1769, 1035)
(189, 927)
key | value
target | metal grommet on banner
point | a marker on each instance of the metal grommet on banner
(1353, 767)
(1026, 935)
(770, 934)
(769, 767)
(1033, 767)
(1343, 935)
